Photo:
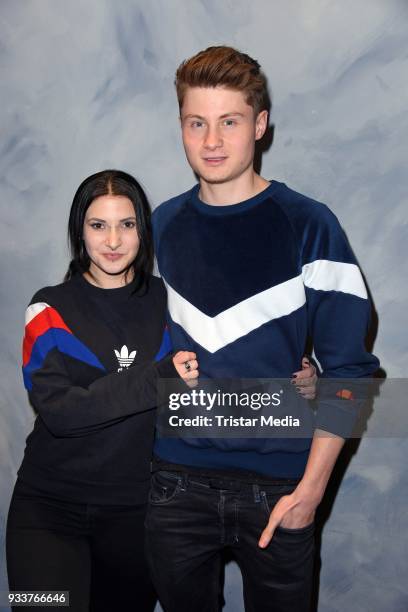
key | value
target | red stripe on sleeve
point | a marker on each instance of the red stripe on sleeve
(46, 319)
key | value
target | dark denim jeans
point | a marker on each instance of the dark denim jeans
(191, 519)
(94, 552)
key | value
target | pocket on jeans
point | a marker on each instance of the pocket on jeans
(297, 530)
(163, 489)
(270, 499)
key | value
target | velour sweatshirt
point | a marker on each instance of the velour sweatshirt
(247, 283)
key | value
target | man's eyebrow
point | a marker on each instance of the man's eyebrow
(232, 114)
(224, 116)
(192, 116)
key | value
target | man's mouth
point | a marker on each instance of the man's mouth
(214, 160)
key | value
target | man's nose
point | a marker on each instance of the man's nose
(213, 138)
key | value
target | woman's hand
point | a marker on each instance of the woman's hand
(305, 379)
(187, 367)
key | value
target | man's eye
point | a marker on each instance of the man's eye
(197, 124)
(229, 122)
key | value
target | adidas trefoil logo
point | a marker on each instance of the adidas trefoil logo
(124, 357)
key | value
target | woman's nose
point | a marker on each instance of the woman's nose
(113, 238)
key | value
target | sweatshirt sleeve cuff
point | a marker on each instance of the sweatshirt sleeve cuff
(338, 417)
(165, 368)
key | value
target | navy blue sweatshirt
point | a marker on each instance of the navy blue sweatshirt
(247, 283)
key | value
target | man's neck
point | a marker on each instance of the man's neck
(232, 192)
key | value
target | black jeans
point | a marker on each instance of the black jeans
(95, 552)
(191, 519)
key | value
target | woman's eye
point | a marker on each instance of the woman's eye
(97, 225)
(129, 224)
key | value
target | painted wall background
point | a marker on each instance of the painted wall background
(88, 85)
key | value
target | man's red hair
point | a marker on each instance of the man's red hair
(225, 67)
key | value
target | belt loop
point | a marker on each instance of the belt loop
(257, 497)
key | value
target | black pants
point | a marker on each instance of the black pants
(94, 552)
(191, 519)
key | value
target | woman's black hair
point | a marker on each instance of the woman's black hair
(118, 183)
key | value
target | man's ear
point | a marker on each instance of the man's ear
(261, 123)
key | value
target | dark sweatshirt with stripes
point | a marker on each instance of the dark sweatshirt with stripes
(91, 361)
(247, 284)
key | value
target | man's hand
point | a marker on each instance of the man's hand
(305, 379)
(187, 367)
(297, 510)
(292, 511)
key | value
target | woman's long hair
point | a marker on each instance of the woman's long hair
(117, 183)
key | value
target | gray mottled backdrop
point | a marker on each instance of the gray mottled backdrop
(88, 85)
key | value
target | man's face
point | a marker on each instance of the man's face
(219, 131)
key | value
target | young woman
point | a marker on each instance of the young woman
(94, 348)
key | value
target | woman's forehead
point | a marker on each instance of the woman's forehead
(111, 206)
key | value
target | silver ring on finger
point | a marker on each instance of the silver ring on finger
(187, 365)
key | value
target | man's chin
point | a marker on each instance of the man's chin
(212, 179)
(218, 178)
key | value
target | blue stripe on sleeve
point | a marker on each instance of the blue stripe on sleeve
(165, 347)
(65, 343)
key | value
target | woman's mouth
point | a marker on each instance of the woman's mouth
(112, 256)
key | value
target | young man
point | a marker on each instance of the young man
(251, 269)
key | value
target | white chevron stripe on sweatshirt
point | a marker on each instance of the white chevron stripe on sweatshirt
(214, 333)
(326, 275)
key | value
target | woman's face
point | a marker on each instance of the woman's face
(111, 239)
